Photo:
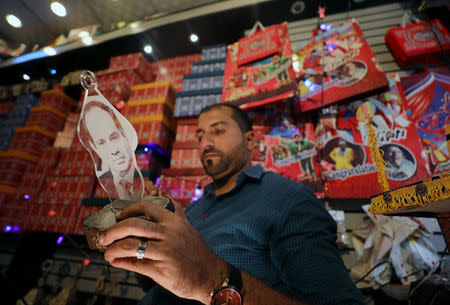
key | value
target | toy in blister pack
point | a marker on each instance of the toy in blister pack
(335, 65)
(259, 69)
(111, 141)
(346, 165)
(427, 96)
(291, 152)
(285, 146)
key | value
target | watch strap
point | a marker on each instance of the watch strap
(234, 277)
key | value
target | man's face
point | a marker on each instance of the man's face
(109, 143)
(395, 156)
(342, 144)
(222, 145)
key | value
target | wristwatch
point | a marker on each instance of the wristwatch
(231, 291)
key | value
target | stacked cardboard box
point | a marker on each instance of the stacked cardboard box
(23, 199)
(204, 86)
(150, 111)
(173, 69)
(14, 117)
(186, 173)
(124, 71)
(55, 208)
(65, 137)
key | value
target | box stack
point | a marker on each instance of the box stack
(5, 133)
(204, 86)
(65, 137)
(56, 207)
(124, 71)
(24, 200)
(186, 173)
(150, 111)
(13, 117)
(173, 69)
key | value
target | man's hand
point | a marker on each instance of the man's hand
(176, 257)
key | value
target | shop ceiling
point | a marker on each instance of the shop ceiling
(166, 25)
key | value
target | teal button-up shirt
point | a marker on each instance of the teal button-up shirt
(276, 230)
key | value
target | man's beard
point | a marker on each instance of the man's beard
(219, 167)
(223, 162)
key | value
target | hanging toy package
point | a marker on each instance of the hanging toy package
(111, 141)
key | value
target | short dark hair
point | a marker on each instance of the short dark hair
(239, 116)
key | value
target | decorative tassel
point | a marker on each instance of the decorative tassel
(377, 157)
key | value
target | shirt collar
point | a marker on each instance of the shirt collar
(253, 172)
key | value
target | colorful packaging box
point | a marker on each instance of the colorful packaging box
(46, 117)
(213, 65)
(186, 129)
(185, 158)
(417, 43)
(214, 52)
(154, 131)
(32, 140)
(191, 103)
(427, 97)
(335, 65)
(136, 62)
(266, 79)
(347, 167)
(57, 99)
(163, 90)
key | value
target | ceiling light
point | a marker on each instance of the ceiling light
(87, 40)
(58, 9)
(148, 49)
(194, 38)
(49, 51)
(26, 77)
(83, 34)
(14, 21)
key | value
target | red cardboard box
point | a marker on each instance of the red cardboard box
(67, 190)
(153, 132)
(186, 129)
(85, 211)
(32, 140)
(46, 117)
(136, 62)
(147, 108)
(49, 158)
(416, 43)
(32, 181)
(57, 99)
(153, 90)
(185, 158)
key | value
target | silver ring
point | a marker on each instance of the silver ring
(141, 249)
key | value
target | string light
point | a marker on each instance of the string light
(7, 229)
(26, 196)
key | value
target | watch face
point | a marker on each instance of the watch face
(228, 296)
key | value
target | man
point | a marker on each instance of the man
(265, 234)
(103, 134)
(398, 166)
(342, 156)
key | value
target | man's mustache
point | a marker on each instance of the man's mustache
(211, 150)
